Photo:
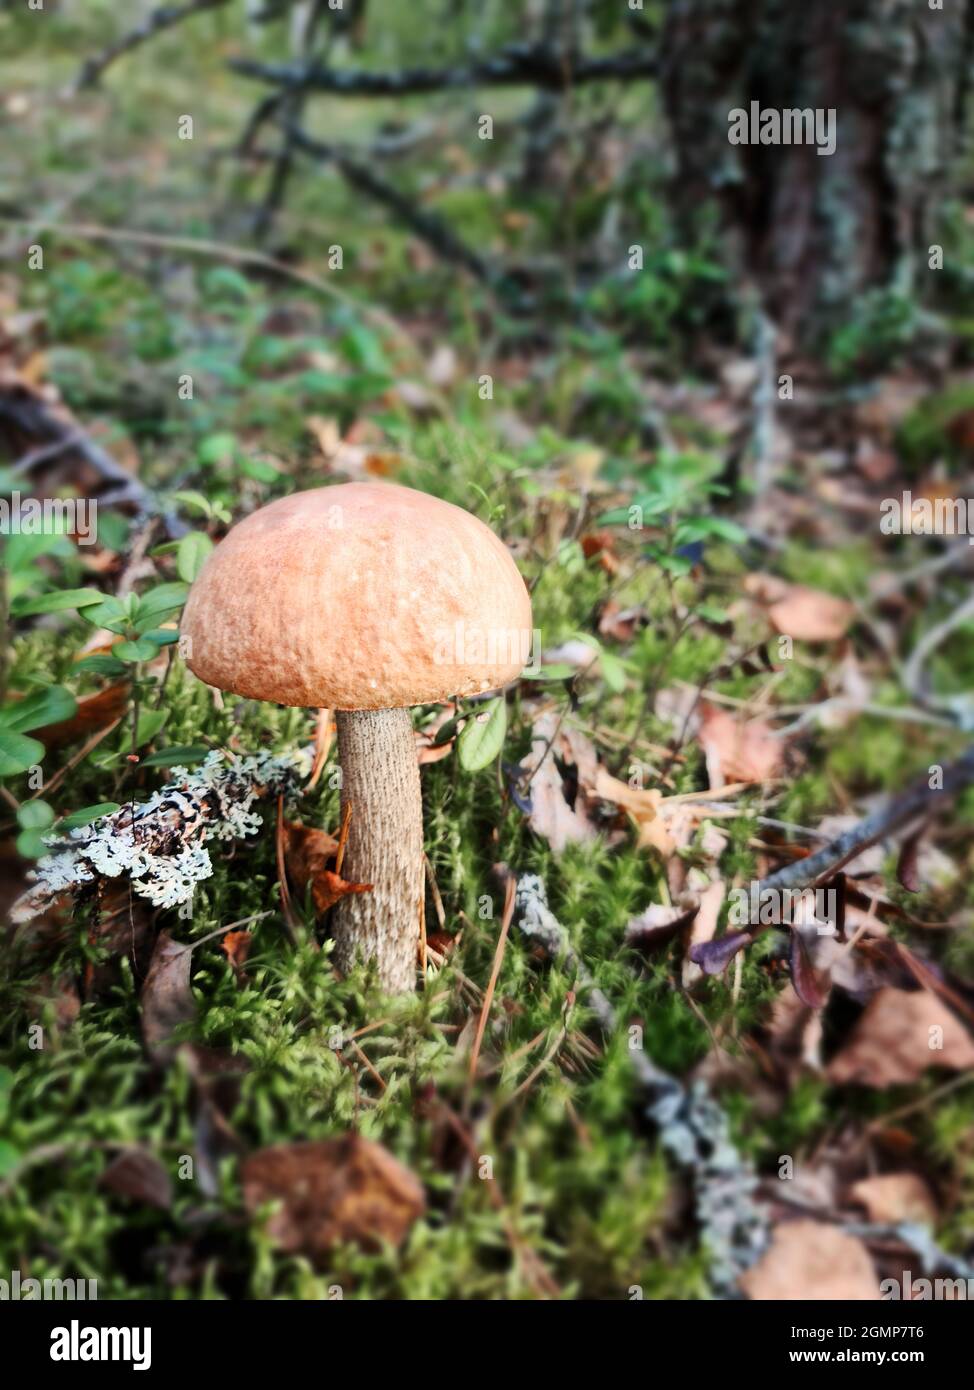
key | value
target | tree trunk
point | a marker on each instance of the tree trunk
(814, 231)
(380, 782)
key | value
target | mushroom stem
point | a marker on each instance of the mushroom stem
(380, 782)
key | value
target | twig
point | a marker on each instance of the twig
(492, 983)
(165, 17)
(216, 250)
(516, 66)
(290, 107)
(913, 674)
(62, 436)
(429, 226)
(917, 801)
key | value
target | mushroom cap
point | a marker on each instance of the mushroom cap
(358, 596)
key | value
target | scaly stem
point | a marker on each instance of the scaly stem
(380, 782)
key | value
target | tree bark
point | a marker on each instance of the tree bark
(812, 231)
(380, 783)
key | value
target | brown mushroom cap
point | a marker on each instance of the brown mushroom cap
(359, 596)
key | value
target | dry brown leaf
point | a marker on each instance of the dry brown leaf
(896, 1039)
(808, 615)
(236, 947)
(893, 1198)
(94, 712)
(308, 852)
(551, 815)
(140, 1176)
(427, 753)
(656, 926)
(808, 1260)
(328, 888)
(167, 999)
(703, 928)
(621, 623)
(735, 751)
(331, 1192)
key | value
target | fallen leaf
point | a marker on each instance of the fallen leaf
(140, 1176)
(808, 1260)
(656, 926)
(808, 615)
(94, 712)
(735, 751)
(714, 956)
(552, 816)
(328, 888)
(308, 852)
(896, 1039)
(236, 947)
(704, 925)
(894, 1198)
(803, 977)
(907, 866)
(621, 623)
(332, 1191)
(167, 1000)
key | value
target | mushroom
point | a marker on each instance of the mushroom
(365, 598)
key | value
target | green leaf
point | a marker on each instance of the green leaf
(613, 672)
(704, 528)
(30, 844)
(678, 565)
(193, 550)
(47, 706)
(158, 603)
(87, 814)
(192, 499)
(142, 650)
(217, 448)
(179, 755)
(35, 815)
(18, 753)
(111, 613)
(101, 665)
(150, 722)
(162, 636)
(483, 736)
(9, 1158)
(56, 602)
(559, 671)
(260, 470)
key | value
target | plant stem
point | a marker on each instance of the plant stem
(380, 783)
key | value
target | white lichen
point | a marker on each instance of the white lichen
(159, 844)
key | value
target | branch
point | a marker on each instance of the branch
(223, 251)
(62, 437)
(426, 224)
(165, 17)
(917, 801)
(516, 66)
